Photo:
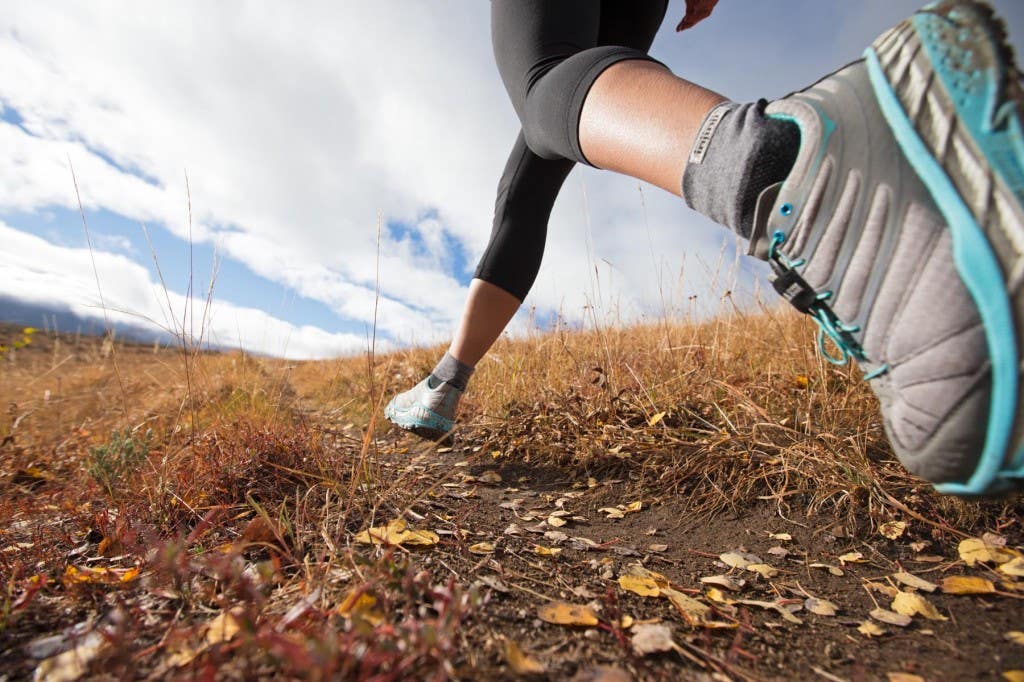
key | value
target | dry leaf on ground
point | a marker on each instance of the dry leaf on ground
(563, 613)
(731, 584)
(911, 604)
(911, 580)
(852, 558)
(973, 550)
(1015, 636)
(834, 570)
(652, 638)
(871, 629)
(74, 663)
(645, 587)
(1014, 567)
(890, 617)
(693, 611)
(520, 663)
(1013, 675)
(904, 677)
(738, 559)
(773, 606)
(546, 551)
(892, 529)
(763, 570)
(482, 548)
(967, 584)
(821, 607)
(396, 533)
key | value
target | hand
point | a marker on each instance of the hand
(696, 11)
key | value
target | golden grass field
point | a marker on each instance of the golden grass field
(168, 513)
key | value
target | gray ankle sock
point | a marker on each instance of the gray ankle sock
(453, 372)
(737, 153)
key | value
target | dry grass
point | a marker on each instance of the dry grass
(250, 501)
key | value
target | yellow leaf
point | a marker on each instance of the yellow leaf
(871, 629)
(556, 521)
(911, 603)
(851, 558)
(1015, 636)
(785, 537)
(634, 507)
(223, 628)
(821, 607)
(395, 533)
(888, 590)
(801, 381)
(645, 587)
(612, 512)
(359, 602)
(904, 677)
(911, 580)
(482, 548)
(520, 663)
(1014, 567)
(967, 584)
(130, 575)
(547, 551)
(562, 613)
(764, 570)
(892, 529)
(1013, 675)
(655, 419)
(716, 595)
(724, 581)
(692, 610)
(738, 559)
(973, 550)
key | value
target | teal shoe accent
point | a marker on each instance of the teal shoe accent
(980, 271)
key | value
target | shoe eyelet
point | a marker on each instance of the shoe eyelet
(786, 209)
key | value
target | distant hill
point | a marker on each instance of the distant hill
(56, 318)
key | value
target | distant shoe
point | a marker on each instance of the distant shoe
(901, 231)
(427, 409)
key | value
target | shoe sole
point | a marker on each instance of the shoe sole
(936, 77)
(424, 423)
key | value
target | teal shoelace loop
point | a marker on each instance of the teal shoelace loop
(803, 297)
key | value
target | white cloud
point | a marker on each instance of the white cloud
(36, 271)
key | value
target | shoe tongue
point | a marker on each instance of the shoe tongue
(762, 210)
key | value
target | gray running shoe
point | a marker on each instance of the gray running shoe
(901, 231)
(427, 409)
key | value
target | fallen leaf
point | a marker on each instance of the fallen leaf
(892, 529)
(888, 590)
(490, 477)
(520, 663)
(563, 613)
(482, 548)
(74, 663)
(911, 580)
(634, 507)
(738, 559)
(655, 419)
(396, 533)
(734, 585)
(834, 570)
(612, 512)
(716, 595)
(1015, 636)
(821, 607)
(785, 537)
(851, 558)
(693, 611)
(657, 548)
(645, 587)
(652, 639)
(222, 628)
(779, 608)
(764, 570)
(911, 603)
(780, 552)
(887, 616)
(556, 521)
(626, 622)
(871, 629)
(967, 584)
(973, 550)
(547, 551)
(904, 677)
(555, 536)
(1014, 567)
(1013, 675)
(360, 603)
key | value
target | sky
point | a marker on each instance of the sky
(330, 166)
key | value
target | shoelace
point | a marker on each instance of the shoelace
(792, 287)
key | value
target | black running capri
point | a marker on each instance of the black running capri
(549, 53)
